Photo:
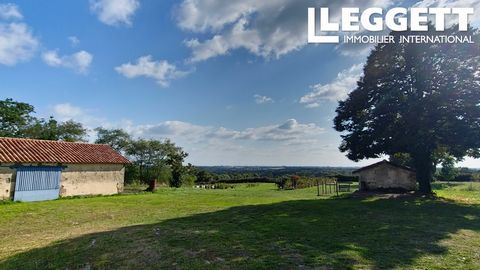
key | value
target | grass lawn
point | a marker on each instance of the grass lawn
(244, 228)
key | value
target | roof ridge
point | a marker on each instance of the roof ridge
(23, 150)
(382, 162)
(50, 141)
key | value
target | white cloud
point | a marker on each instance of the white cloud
(312, 105)
(162, 71)
(17, 43)
(114, 12)
(338, 89)
(290, 142)
(68, 111)
(79, 61)
(238, 37)
(289, 131)
(287, 143)
(475, 4)
(264, 28)
(74, 41)
(10, 11)
(262, 99)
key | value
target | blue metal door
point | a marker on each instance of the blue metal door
(37, 183)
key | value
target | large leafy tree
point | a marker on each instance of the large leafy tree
(175, 158)
(448, 171)
(152, 157)
(419, 99)
(71, 131)
(15, 118)
(118, 139)
(51, 129)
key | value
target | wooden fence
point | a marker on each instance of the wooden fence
(332, 186)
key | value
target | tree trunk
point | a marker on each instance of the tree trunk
(424, 165)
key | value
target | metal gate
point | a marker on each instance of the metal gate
(37, 183)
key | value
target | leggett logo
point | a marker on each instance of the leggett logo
(395, 19)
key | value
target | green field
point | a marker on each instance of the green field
(247, 227)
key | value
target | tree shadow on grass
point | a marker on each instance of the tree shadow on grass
(320, 234)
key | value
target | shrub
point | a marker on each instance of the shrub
(463, 178)
(223, 186)
(470, 187)
(295, 182)
(188, 180)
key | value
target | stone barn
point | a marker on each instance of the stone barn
(385, 175)
(36, 170)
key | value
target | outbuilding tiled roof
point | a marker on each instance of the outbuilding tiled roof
(13, 150)
(384, 162)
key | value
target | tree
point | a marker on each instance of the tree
(69, 131)
(415, 99)
(204, 176)
(175, 158)
(118, 139)
(152, 155)
(17, 121)
(448, 171)
(403, 159)
(146, 154)
(15, 117)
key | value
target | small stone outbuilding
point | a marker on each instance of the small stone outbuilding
(36, 170)
(386, 176)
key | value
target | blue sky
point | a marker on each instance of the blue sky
(233, 82)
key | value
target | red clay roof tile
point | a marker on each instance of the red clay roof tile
(13, 150)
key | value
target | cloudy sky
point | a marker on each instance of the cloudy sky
(233, 82)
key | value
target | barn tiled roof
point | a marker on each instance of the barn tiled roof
(13, 150)
(384, 162)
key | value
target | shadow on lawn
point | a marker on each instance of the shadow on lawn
(324, 234)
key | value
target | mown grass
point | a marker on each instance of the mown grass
(255, 227)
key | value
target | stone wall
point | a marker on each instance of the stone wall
(77, 179)
(92, 179)
(386, 176)
(7, 182)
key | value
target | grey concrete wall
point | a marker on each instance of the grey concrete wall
(386, 176)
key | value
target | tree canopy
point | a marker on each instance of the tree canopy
(418, 99)
(15, 117)
(152, 159)
(118, 139)
(17, 121)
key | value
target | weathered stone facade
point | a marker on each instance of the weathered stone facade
(92, 179)
(77, 179)
(7, 182)
(386, 176)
